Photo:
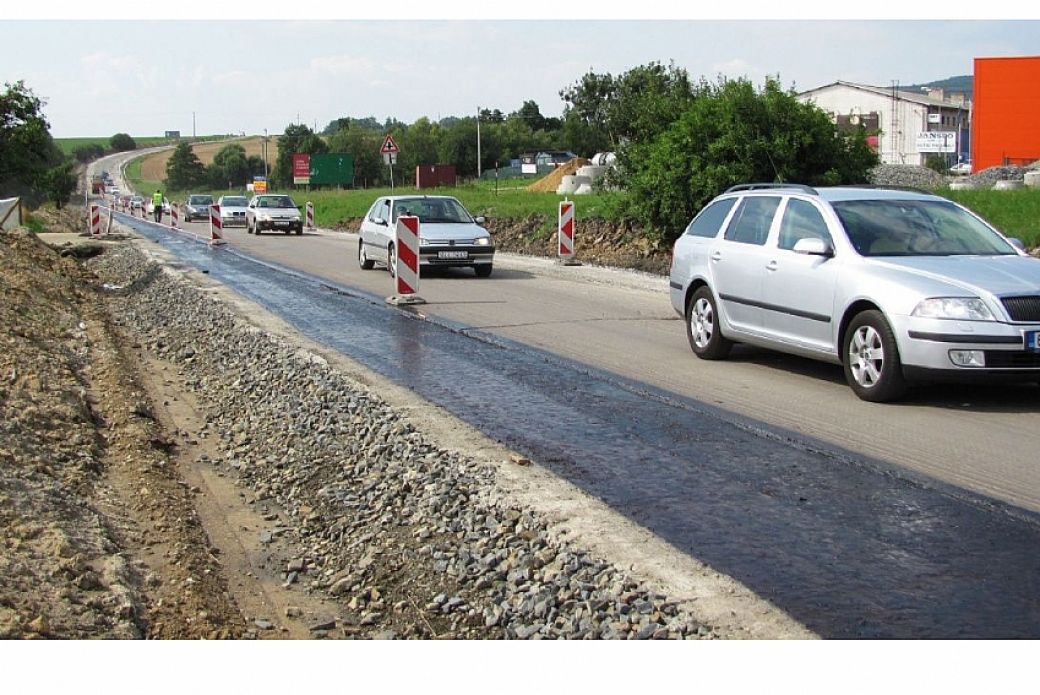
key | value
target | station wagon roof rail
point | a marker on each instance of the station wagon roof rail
(760, 186)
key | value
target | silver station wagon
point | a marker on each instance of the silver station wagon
(897, 286)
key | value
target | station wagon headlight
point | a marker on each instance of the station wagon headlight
(963, 308)
(482, 241)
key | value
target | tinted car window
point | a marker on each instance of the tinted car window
(710, 219)
(802, 220)
(750, 224)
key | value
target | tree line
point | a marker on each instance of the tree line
(678, 142)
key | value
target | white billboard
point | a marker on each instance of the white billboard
(937, 141)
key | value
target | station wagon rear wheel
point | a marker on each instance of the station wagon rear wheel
(702, 327)
(391, 260)
(871, 359)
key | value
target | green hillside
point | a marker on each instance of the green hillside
(962, 84)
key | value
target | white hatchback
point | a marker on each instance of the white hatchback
(448, 235)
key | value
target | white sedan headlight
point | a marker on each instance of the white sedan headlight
(963, 308)
(482, 241)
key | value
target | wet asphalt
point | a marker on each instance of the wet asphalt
(850, 547)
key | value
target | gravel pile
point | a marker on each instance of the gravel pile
(922, 177)
(907, 175)
(988, 177)
(409, 540)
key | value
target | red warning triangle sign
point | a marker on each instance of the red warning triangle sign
(389, 146)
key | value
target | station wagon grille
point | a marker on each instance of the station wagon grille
(1012, 359)
(1022, 308)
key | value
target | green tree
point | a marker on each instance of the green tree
(121, 142)
(58, 184)
(184, 170)
(458, 146)
(27, 149)
(363, 144)
(729, 134)
(88, 153)
(289, 143)
(603, 112)
(418, 144)
(230, 168)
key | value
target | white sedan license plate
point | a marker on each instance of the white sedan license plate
(1033, 341)
(452, 255)
(281, 223)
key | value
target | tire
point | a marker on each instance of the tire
(391, 260)
(364, 261)
(871, 359)
(483, 270)
(702, 327)
(299, 231)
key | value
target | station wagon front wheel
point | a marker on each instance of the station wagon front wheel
(872, 365)
(363, 260)
(702, 327)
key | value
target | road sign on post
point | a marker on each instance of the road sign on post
(389, 146)
(390, 151)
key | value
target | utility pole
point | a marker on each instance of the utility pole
(193, 136)
(265, 156)
(478, 142)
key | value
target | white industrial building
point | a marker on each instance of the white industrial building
(906, 127)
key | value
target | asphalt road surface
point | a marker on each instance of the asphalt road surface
(861, 520)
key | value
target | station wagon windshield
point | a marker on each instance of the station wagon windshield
(917, 228)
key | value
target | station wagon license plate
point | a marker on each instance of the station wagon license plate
(1033, 341)
(452, 255)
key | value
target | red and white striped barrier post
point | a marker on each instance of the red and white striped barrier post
(215, 236)
(406, 262)
(310, 215)
(566, 234)
(173, 215)
(95, 219)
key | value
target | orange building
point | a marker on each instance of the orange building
(1006, 115)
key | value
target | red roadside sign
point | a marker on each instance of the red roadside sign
(389, 146)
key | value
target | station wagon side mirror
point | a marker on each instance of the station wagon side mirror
(814, 246)
(480, 219)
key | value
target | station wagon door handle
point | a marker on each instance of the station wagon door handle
(772, 265)
(716, 256)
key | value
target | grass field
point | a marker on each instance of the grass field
(67, 145)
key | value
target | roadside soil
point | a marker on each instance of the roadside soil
(114, 526)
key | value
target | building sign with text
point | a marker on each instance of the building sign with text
(301, 169)
(937, 141)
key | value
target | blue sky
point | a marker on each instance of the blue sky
(113, 68)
